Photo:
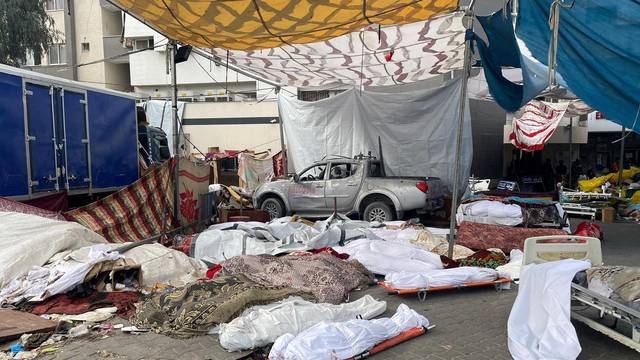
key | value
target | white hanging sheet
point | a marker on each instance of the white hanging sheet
(417, 130)
(262, 325)
(158, 114)
(539, 326)
(342, 340)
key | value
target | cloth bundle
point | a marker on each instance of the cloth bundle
(621, 282)
(490, 212)
(262, 325)
(197, 307)
(435, 278)
(342, 340)
(328, 278)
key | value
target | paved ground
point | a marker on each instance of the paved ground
(470, 324)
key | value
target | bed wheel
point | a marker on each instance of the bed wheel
(498, 286)
(422, 296)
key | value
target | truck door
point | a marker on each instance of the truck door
(43, 148)
(307, 195)
(76, 140)
(343, 185)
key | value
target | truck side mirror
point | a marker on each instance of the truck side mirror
(296, 178)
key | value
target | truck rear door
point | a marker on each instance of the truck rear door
(43, 146)
(76, 140)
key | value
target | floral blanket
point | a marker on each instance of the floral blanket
(197, 307)
(325, 276)
(506, 238)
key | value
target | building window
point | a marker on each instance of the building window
(142, 44)
(315, 95)
(55, 5)
(32, 60)
(85, 47)
(57, 54)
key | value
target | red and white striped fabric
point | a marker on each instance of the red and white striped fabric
(537, 123)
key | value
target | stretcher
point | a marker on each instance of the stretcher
(551, 248)
(499, 284)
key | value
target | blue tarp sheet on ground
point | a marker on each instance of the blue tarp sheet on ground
(598, 51)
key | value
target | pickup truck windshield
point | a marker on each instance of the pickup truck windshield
(375, 169)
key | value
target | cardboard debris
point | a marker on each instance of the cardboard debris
(15, 323)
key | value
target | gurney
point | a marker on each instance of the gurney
(499, 284)
(551, 248)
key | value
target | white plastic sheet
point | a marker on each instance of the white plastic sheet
(417, 130)
(30, 240)
(383, 257)
(158, 114)
(262, 325)
(512, 269)
(539, 326)
(342, 340)
(444, 277)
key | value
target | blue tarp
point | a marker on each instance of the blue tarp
(502, 50)
(598, 51)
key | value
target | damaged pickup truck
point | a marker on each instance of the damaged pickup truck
(349, 186)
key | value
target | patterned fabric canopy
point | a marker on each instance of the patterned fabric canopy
(261, 24)
(373, 56)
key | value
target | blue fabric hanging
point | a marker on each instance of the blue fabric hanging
(598, 51)
(502, 50)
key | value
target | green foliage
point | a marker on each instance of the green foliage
(24, 26)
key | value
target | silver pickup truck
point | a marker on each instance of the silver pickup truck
(350, 186)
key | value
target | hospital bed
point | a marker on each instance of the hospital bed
(551, 248)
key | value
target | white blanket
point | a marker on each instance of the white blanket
(30, 240)
(539, 326)
(342, 340)
(262, 325)
(435, 278)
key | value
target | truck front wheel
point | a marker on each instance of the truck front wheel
(378, 211)
(274, 207)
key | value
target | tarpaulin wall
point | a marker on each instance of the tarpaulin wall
(417, 130)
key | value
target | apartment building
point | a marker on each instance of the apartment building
(88, 31)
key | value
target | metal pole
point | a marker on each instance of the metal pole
(569, 184)
(621, 165)
(282, 145)
(176, 129)
(468, 24)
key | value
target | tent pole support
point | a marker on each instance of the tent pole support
(468, 24)
(621, 165)
(282, 144)
(176, 135)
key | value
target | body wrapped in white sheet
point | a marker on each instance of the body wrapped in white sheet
(444, 277)
(262, 325)
(342, 340)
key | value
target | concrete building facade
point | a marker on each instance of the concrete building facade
(88, 32)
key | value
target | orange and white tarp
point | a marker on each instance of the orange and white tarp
(262, 24)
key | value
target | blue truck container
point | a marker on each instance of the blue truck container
(62, 135)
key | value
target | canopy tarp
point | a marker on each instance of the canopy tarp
(260, 24)
(373, 56)
(598, 51)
